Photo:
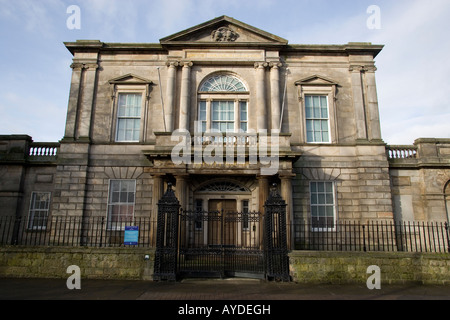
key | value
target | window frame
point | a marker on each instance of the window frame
(329, 90)
(31, 212)
(320, 119)
(120, 224)
(118, 118)
(120, 89)
(208, 100)
(317, 205)
(209, 97)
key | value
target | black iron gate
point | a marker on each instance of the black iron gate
(220, 243)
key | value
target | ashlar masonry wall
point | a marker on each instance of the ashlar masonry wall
(420, 179)
(361, 177)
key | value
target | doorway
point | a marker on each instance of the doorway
(222, 230)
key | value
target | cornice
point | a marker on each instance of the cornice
(97, 46)
(346, 49)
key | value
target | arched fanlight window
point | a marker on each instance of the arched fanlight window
(223, 83)
(223, 104)
(223, 186)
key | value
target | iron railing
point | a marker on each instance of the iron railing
(408, 236)
(73, 231)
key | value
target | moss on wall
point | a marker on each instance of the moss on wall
(351, 267)
(305, 266)
(94, 263)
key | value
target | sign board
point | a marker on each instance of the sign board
(131, 236)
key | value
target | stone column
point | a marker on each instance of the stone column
(358, 102)
(87, 100)
(374, 130)
(261, 109)
(157, 193)
(275, 94)
(185, 96)
(263, 183)
(75, 91)
(286, 194)
(181, 191)
(170, 95)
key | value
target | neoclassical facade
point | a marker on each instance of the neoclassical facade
(222, 111)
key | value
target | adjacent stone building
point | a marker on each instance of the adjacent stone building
(222, 111)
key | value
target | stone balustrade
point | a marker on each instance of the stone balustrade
(282, 140)
(21, 148)
(424, 152)
(401, 152)
(233, 139)
(43, 149)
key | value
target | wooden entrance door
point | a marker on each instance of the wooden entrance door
(219, 231)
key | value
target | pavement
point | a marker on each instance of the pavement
(212, 299)
(211, 289)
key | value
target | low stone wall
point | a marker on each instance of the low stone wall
(351, 267)
(305, 266)
(94, 263)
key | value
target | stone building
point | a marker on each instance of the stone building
(222, 111)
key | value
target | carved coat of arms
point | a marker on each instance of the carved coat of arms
(224, 34)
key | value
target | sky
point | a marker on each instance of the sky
(413, 76)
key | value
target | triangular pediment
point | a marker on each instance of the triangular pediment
(316, 80)
(130, 79)
(223, 31)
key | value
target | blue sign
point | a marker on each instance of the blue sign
(131, 236)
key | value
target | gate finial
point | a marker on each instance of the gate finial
(274, 197)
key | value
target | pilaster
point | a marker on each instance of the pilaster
(275, 95)
(373, 113)
(359, 102)
(74, 99)
(185, 96)
(261, 108)
(170, 94)
(87, 100)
